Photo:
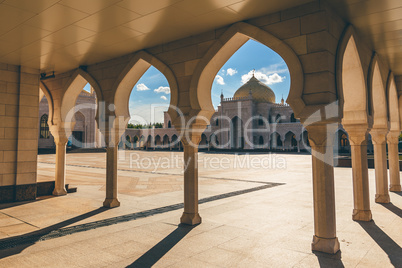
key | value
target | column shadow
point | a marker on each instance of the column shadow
(391, 207)
(329, 260)
(389, 246)
(16, 244)
(153, 255)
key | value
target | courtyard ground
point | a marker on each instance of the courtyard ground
(256, 211)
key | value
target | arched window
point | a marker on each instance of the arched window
(169, 124)
(217, 122)
(292, 118)
(44, 127)
(294, 141)
(344, 140)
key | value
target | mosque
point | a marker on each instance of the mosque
(250, 120)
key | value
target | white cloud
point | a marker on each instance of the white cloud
(161, 89)
(163, 98)
(219, 80)
(268, 79)
(142, 87)
(275, 68)
(231, 71)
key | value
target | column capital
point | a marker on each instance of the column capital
(61, 131)
(393, 137)
(321, 134)
(357, 133)
(378, 135)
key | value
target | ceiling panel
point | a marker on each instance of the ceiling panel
(142, 8)
(63, 34)
(107, 18)
(56, 17)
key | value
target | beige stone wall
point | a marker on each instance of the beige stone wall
(19, 109)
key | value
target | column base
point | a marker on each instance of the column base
(382, 198)
(190, 218)
(395, 188)
(111, 203)
(58, 192)
(361, 215)
(326, 245)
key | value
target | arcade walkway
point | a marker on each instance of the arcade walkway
(251, 218)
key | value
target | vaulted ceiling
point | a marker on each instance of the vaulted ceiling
(62, 34)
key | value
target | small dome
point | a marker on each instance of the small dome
(259, 91)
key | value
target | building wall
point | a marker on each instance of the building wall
(19, 109)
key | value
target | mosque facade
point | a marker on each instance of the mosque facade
(249, 120)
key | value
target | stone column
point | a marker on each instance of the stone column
(321, 138)
(393, 160)
(361, 193)
(61, 131)
(190, 145)
(380, 164)
(112, 148)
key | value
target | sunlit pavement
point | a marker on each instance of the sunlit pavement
(256, 212)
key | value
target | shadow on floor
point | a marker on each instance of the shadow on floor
(153, 255)
(26, 240)
(391, 207)
(398, 193)
(393, 250)
(329, 260)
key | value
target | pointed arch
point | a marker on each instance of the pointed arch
(350, 79)
(72, 90)
(393, 104)
(45, 91)
(378, 100)
(223, 48)
(133, 71)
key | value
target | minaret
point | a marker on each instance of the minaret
(282, 100)
(221, 96)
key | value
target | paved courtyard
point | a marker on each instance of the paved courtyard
(256, 211)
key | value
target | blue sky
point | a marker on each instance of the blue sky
(151, 93)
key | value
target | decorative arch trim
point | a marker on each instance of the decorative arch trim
(73, 88)
(46, 92)
(130, 75)
(377, 96)
(223, 48)
(393, 103)
(351, 111)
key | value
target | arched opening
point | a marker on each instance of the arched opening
(166, 141)
(175, 143)
(135, 142)
(158, 141)
(169, 124)
(127, 143)
(351, 82)
(290, 141)
(142, 142)
(292, 118)
(261, 141)
(44, 127)
(305, 141)
(204, 142)
(342, 145)
(46, 140)
(79, 134)
(276, 141)
(236, 133)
